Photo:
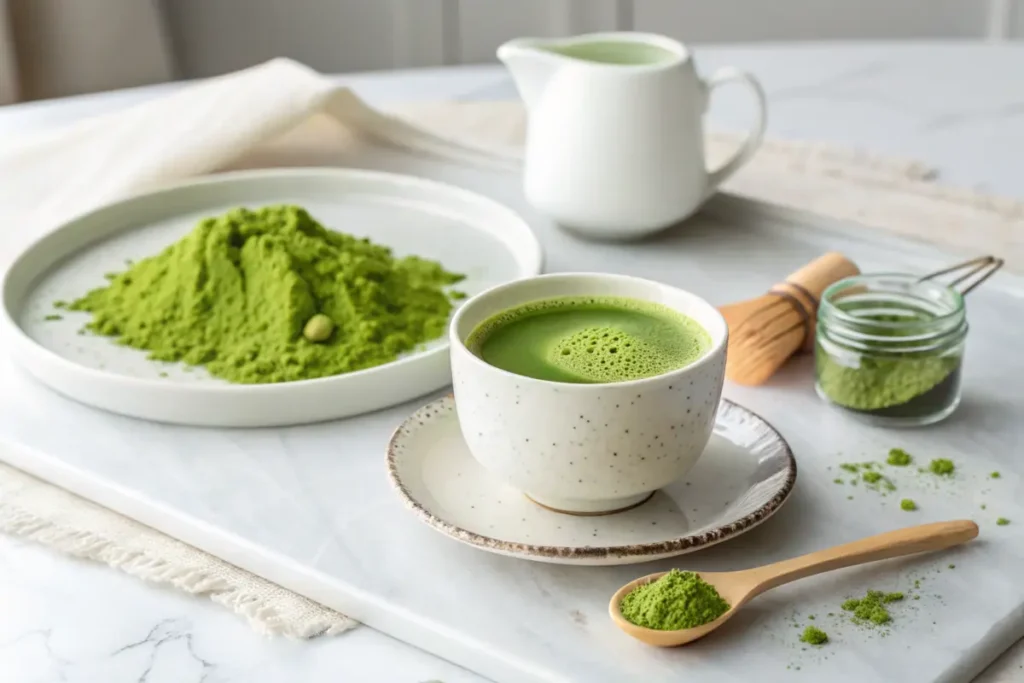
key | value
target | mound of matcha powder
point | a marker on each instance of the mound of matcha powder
(899, 457)
(813, 635)
(942, 467)
(236, 294)
(871, 477)
(676, 600)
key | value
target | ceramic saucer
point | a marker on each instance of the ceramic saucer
(743, 477)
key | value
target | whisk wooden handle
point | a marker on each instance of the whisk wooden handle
(816, 276)
(810, 282)
(765, 331)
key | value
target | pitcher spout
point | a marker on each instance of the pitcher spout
(531, 67)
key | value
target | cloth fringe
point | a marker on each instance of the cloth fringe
(269, 609)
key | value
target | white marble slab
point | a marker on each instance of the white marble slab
(881, 97)
(73, 621)
(310, 507)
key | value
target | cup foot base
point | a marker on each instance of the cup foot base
(612, 236)
(591, 508)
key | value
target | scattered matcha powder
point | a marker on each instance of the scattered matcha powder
(813, 635)
(952, 566)
(54, 316)
(1002, 521)
(984, 507)
(676, 600)
(995, 475)
(942, 466)
(871, 477)
(908, 505)
(871, 608)
(899, 457)
(236, 293)
(874, 479)
(60, 304)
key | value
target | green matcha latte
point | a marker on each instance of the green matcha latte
(589, 340)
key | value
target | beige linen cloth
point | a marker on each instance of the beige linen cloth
(244, 120)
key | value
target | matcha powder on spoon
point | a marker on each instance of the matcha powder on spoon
(675, 601)
(270, 295)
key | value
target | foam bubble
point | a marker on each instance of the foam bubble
(607, 354)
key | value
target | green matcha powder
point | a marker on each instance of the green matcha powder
(813, 635)
(899, 457)
(869, 357)
(675, 601)
(871, 609)
(236, 294)
(881, 382)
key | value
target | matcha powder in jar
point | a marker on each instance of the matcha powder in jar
(889, 348)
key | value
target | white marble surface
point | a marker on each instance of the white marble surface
(954, 106)
(80, 622)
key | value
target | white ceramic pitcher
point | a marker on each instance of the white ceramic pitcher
(615, 142)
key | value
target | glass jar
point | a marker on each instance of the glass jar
(889, 348)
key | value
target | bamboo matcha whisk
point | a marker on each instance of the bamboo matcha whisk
(764, 332)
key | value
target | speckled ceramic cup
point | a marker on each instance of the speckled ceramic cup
(587, 448)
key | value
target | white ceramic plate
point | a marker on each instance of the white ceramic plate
(467, 233)
(743, 477)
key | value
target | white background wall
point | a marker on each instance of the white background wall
(216, 36)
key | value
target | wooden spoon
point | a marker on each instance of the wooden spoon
(738, 588)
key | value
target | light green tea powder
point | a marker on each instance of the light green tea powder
(236, 294)
(675, 601)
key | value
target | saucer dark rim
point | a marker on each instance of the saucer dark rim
(677, 546)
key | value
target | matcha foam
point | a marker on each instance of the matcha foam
(606, 354)
(589, 340)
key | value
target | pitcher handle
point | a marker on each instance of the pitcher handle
(731, 74)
